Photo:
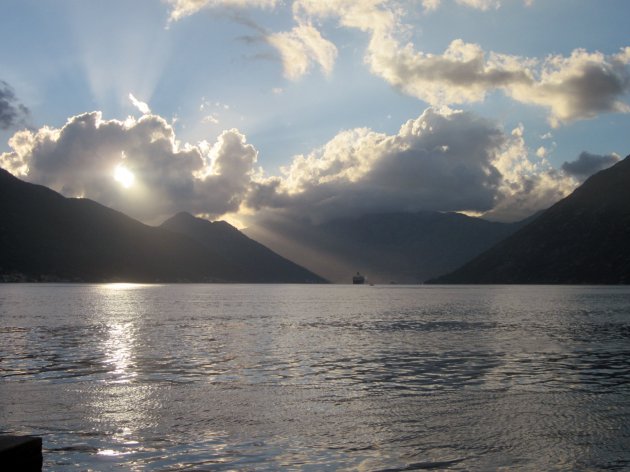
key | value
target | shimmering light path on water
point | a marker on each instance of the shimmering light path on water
(242, 377)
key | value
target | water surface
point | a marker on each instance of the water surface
(262, 377)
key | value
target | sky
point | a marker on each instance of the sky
(250, 109)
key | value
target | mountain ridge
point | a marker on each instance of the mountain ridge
(45, 236)
(582, 239)
(246, 252)
(388, 247)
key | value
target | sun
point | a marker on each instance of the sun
(124, 176)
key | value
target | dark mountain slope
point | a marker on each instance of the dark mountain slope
(583, 239)
(260, 263)
(44, 236)
(401, 247)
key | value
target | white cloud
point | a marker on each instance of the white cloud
(141, 106)
(526, 186)
(183, 8)
(300, 48)
(461, 74)
(210, 119)
(365, 15)
(580, 86)
(430, 5)
(481, 4)
(441, 161)
(81, 158)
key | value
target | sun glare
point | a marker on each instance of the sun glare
(124, 176)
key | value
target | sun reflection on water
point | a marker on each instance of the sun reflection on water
(110, 453)
(120, 406)
(119, 351)
(197, 377)
(123, 286)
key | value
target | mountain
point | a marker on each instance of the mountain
(583, 239)
(260, 263)
(399, 247)
(45, 236)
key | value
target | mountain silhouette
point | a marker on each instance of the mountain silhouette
(47, 237)
(582, 239)
(260, 263)
(387, 247)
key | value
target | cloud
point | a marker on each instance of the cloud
(210, 119)
(441, 161)
(527, 186)
(142, 106)
(461, 74)
(80, 160)
(300, 48)
(367, 15)
(481, 4)
(184, 8)
(430, 5)
(12, 112)
(580, 86)
(588, 164)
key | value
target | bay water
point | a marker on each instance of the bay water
(120, 377)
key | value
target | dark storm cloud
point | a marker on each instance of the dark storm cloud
(587, 164)
(12, 112)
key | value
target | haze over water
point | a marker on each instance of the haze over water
(244, 377)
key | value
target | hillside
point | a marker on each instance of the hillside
(47, 237)
(387, 247)
(260, 263)
(583, 239)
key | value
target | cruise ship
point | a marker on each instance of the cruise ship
(358, 279)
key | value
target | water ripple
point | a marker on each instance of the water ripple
(318, 378)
